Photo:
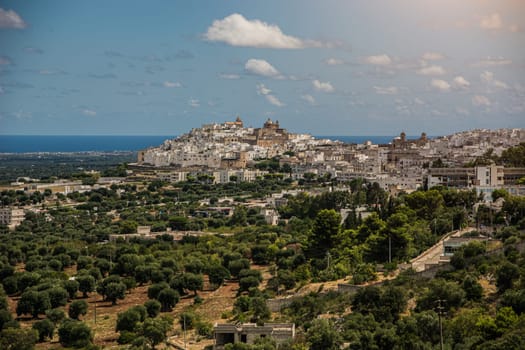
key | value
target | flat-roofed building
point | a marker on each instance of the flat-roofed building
(248, 333)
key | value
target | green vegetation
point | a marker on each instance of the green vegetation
(58, 258)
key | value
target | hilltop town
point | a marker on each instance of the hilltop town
(250, 235)
(231, 151)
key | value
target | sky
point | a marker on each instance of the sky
(331, 67)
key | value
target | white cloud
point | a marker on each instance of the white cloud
(260, 67)
(390, 90)
(11, 19)
(440, 85)
(89, 112)
(460, 83)
(492, 61)
(334, 61)
(432, 56)
(263, 90)
(274, 100)
(488, 78)
(323, 86)
(236, 30)
(480, 100)
(432, 70)
(438, 113)
(492, 22)
(171, 84)
(194, 103)
(380, 60)
(229, 76)
(309, 98)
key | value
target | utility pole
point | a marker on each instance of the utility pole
(440, 311)
(389, 247)
(184, 324)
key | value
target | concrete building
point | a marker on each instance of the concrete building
(249, 332)
(11, 217)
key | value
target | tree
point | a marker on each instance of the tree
(236, 266)
(245, 283)
(74, 334)
(325, 230)
(239, 216)
(55, 315)
(152, 307)
(77, 308)
(34, 303)
(57, 296)
(154, 289)
(71, 286)
(155, 329)
(86, 284)
(193, 282)
(322, 335)
(168, 298)
(505, 276)
(18, 339)
(473, 290)
(115, 291)
(217, 274)
(45, 329)
(438, 289)
(128, 320)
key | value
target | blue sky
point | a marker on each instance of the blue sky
(323, 67)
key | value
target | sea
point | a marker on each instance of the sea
(106, 143)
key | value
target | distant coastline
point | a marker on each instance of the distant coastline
(108, 143)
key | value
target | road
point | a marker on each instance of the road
(432, 255)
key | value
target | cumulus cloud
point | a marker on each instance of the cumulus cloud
(492, 61)
(432, 70)
(380, 60)
(171, 84)
(488, 78)
(323, 86)
(480, 100)
(333, 61)
(236, 30)
(390, 90)
(262, 90)
(267, 93)
(432, 56)
(229, 76)
(274, 100)
(439, 84)
(491, 22)
(460, 83)
(309, 98)
(89, 112)
(260, 67)
(194, 103)
(11, 20)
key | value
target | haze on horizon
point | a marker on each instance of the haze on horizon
(321, 67)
